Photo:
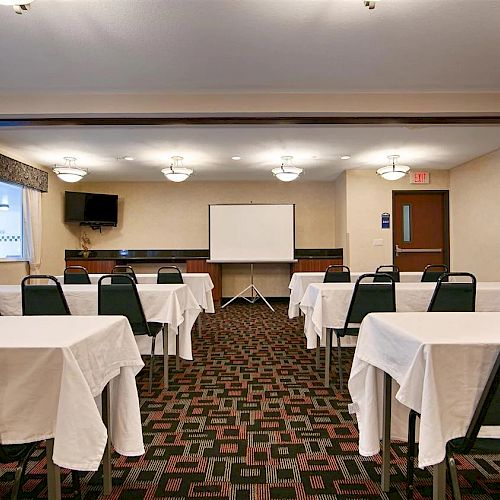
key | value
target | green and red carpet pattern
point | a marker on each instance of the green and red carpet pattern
(249, 418)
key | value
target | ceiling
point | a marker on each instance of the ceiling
(231, 47)
(208, 149)
(250, 46)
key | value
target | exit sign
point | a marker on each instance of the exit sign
(419, 178)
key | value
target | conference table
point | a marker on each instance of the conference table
(300, 281)
(52, 368)
(200, 284)
(325, 305)
(172, 305)
(434, 363)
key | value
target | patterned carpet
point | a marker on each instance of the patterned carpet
(250, 419)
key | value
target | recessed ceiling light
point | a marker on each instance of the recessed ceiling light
(235, 157)
(345, 157)
(128, 158)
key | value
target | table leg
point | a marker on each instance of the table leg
(106, 459)
(439, 481)
(200, 321)
(166, 328)
(386, 437)
(328, 350)
(177, 357)
(318, 353)
(53, 473)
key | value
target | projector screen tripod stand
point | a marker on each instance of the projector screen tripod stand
(255, 293)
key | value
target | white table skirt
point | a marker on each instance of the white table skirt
(440, 363)
(52, 368)
(325, 305)
(173, 305)
(201, 286)
(300, 281)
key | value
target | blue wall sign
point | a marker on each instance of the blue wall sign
(386, 220)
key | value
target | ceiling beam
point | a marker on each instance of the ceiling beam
(248, 120)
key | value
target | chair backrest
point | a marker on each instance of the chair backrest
(433, 271)
(127, 270)
(43, 299)
(169, 275)
(488, 408)
(371, 297)
(76, 275)
(454, 296)
(122, 299)
(392, 271)
(337, 274)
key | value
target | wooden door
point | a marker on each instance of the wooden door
(420, 229)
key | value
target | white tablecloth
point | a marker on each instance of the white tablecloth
(201, 286)
(325, 305)
(52, 368)
(440, 362)
(300, 281)
(174, 305)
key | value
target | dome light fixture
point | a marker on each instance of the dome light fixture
(393, 172)
(176, 172)
(4, 204)
(69, 172)
(19, 6)
(287, 172)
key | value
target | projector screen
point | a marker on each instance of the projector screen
(252, 233)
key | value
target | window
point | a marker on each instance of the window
(11, 221)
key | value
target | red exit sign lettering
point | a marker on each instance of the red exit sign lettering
(419, 178)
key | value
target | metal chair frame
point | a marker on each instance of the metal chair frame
(78, 271)
(174, 272)
(337, 273)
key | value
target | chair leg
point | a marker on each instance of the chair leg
(455, 488)
(151, 363)
(410, 455)
(339, 361)
(75, 480)
(17, 481)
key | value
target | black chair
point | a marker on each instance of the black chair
(43, 299)
(366, 298)
(392, 271)
(169, 275)
(454, 296)
(76, 275)
(19, 453)
(127, 270)
(122, 299)
(337, 274)
(487, 413)
(39, 300)
(447, 297)
(433, 271)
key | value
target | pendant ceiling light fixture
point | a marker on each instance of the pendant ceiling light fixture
(19, 6)
(176, 172)
(286, 172)
(69, 172)
(393, 172)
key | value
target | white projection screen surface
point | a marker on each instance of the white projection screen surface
(252, 233)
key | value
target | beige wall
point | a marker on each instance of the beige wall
(341, 236)
(175, 216)
(56, 236)
(368, 196)
(226, 103)
(475, 223)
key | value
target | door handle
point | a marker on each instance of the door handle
(416, 250)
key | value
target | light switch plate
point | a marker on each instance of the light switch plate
(378, 242)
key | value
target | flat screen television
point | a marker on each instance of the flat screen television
(91, 208)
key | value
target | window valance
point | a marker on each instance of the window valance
(20, 173)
